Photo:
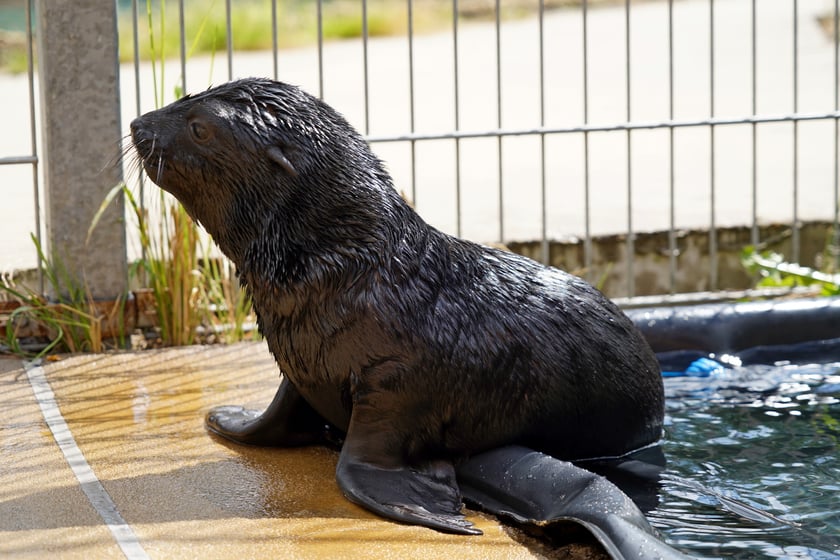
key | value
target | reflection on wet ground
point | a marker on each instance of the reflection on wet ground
(752, 468)
(137, 419)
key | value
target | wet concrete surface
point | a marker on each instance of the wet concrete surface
(137, 419)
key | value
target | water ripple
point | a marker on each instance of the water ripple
(753, 463)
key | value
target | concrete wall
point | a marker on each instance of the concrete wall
(651, 265)
(651, 258)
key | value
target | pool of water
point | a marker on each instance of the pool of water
(753, 463)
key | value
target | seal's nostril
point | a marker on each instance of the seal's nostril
(139, 130)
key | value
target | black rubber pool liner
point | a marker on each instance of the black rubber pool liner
(805, 330)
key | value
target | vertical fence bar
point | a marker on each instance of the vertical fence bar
(457, 120)
(320, 24)
(544, 245)
(836, 39)
(33, 142)
(182, 40)
(413, 143)
(672, 232)
(229, 26)
(141, 175)
(587, 233)
(275, 47)
(365, 76)
(713, 249)
(631, 281)
(795, 229)
(135, 29)
(754, 233)
(158, 93)
(499, 120)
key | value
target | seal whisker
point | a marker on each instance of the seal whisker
(135, 165)
(117, 156)
(130, 158)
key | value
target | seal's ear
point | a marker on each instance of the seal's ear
(277, 155)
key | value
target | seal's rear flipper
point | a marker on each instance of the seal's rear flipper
(372, 474)
(532, 488)
(427, 497)
(288, 421)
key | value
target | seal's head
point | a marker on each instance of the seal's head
(246, 151)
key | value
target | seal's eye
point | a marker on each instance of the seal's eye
(199, 131)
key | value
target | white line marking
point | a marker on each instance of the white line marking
(93, 489)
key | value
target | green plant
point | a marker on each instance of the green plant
(188, 291)
(774, 271)
(227, 306)
(72, 323)
(169, 266)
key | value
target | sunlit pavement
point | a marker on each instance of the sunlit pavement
(134, 423)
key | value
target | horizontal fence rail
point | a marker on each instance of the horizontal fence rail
(492, 133)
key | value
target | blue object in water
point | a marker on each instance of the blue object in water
(701, 367)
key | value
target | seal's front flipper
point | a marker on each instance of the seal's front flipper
(288, 421)
(534, 489)
(372, 476)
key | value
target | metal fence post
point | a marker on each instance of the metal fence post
(78, 64)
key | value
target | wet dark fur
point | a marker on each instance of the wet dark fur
(455, 346)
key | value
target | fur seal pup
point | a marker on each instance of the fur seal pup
(422, 348)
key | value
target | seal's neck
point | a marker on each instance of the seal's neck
(323, 239)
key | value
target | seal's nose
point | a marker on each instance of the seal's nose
(135, 127)
(141, 132)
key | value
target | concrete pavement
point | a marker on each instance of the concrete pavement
(136, 421)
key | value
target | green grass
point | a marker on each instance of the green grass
(206, 30)
(297, 22)
(13, 57)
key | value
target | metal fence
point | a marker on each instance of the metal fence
(570, 124)
(21, 155)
